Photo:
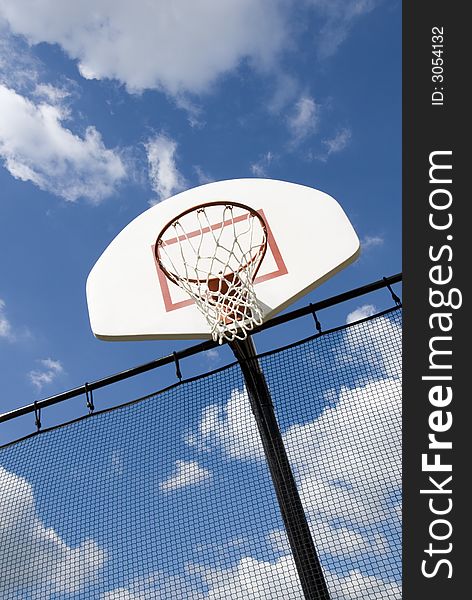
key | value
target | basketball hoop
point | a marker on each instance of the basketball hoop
(213, 251)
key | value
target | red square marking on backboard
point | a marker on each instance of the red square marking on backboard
(281, 269)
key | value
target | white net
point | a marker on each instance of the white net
(213, 252)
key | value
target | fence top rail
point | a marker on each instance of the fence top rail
(202, 347)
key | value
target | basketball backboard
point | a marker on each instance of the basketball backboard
(309, 239)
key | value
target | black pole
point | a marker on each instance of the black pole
(301, 543)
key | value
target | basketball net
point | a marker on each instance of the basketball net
(213, 252)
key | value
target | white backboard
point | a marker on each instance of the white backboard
(309, 239)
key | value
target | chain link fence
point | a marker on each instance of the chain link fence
(170, 497)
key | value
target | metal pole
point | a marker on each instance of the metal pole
(301, 543)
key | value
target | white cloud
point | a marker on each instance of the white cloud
(356, 586)
(186, 473)
(164, 175)
(250, 579)
(336, 144)
(259, 168)
(213, 355)
(202, 176)
(117, 467)
(167, 45)
(53, 94)
(6, 329)
(34, 557)
(36, 147)
(123, 594)
(230, 428)
(170, 45)
(365, 345)
(371, 241)
(338, 18)
(19, 68)
(156, 586)
(51, 369)
(253, 579)
(303, 120)
(366, 310)
(333, 466)
(194, 112)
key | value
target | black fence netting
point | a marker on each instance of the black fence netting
(171, 497)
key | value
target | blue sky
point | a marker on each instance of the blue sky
(107, 108)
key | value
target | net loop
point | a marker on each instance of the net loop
(37, 416)
(213, 252)
(395, 298)
(315, 317)
(178, 372)
(89, 398)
